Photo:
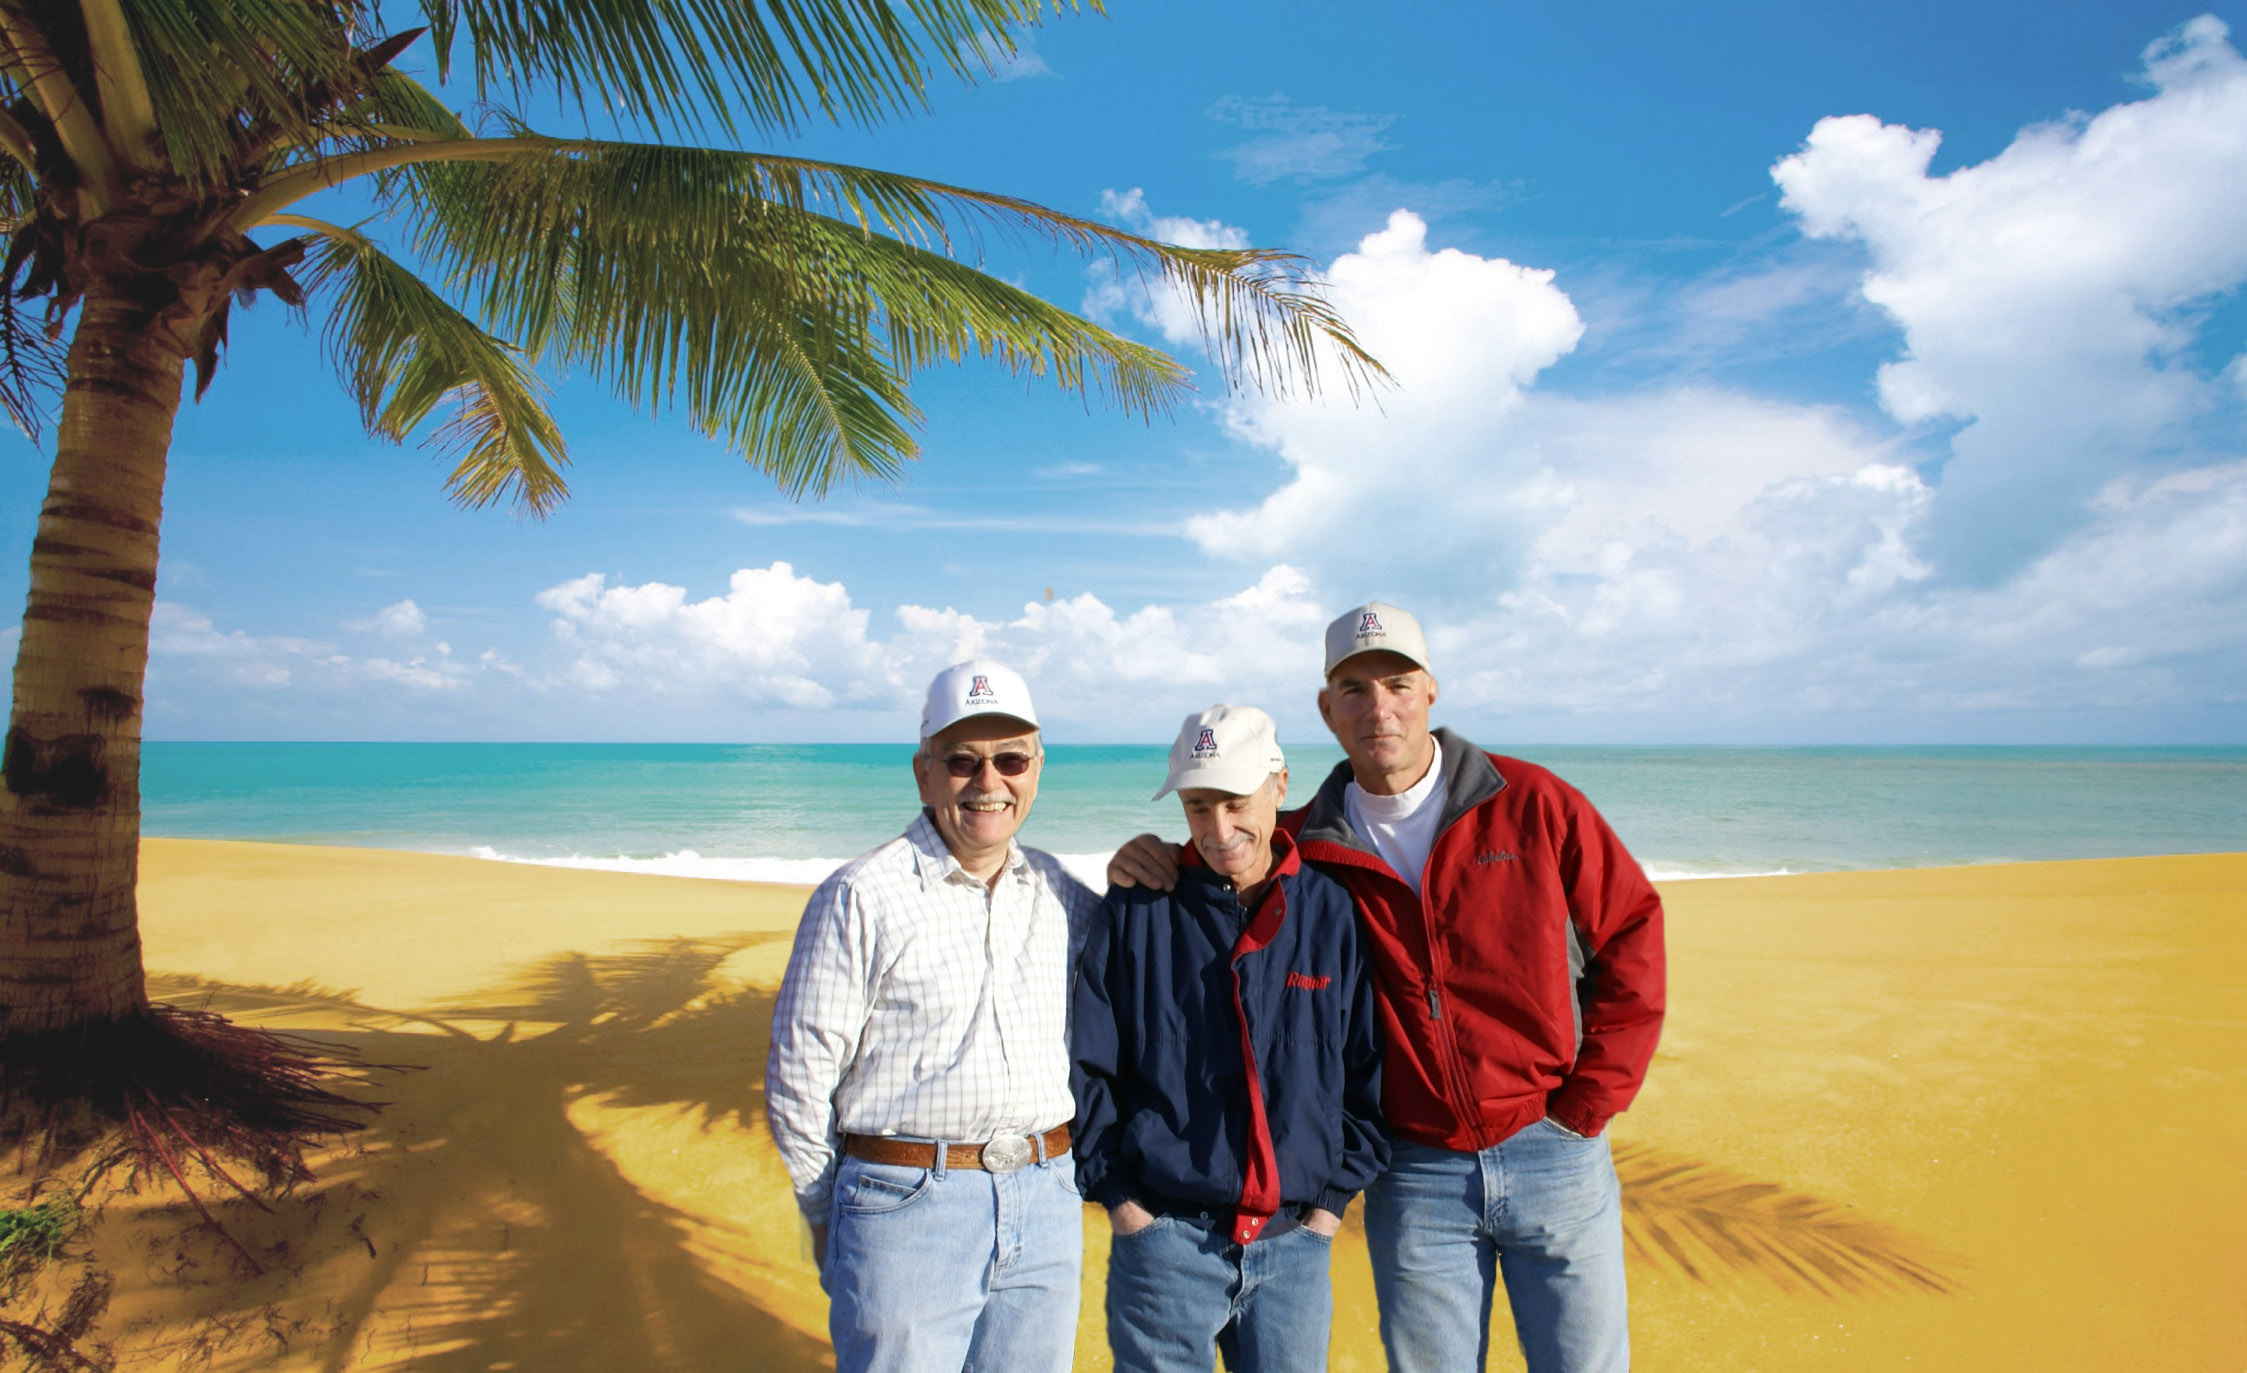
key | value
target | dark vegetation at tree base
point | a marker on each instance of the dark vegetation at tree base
(176, 1095)
(173, 1095)
(174, 1092)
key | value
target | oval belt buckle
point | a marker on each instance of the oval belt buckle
(1007, 1153)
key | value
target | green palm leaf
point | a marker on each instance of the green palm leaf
(404, 352)
(786, 302)
(215, 69)
(686, 61)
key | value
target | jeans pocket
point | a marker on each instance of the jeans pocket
(1556, 1180)
(1554, 1127)
(1119, 1237)
(878, 1189)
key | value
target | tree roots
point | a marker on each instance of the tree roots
(174, 1093)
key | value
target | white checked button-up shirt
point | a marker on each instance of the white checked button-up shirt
(922, 1004)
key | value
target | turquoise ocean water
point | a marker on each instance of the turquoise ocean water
(791, 812)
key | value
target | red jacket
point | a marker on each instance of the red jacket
(1526, 980)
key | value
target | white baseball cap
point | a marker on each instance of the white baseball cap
(975, 687)
(1375, 627)
(1229, 748)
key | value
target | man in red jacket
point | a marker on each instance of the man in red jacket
(1518, 952)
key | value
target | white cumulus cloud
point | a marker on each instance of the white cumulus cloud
(2046, 296)
(779, 639)
(773, 638)
(1463, 336)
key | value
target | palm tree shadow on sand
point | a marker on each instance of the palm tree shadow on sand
(476, 1224)
(1704, 1222)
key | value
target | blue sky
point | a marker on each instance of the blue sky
(1768, 372)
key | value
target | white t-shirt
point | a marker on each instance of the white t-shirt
(1402, 827)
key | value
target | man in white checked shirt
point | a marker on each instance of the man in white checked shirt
(918, 1085)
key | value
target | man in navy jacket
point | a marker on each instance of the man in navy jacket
(1227, 1076)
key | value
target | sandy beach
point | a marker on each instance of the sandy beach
(1963, 1118)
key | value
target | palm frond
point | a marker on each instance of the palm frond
(45, 57)
(1701, 1219)
(15, 140)
(404, 351)
(704, 278)
(396, 100)
(1262, 312)
(31, 357)
(217, 69)
(771, 63)
(128, 114)
(808, 291)
(19, 196)
(31, 367)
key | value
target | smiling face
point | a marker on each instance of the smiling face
(1377, 706)
(1233, 833)
(978, 812)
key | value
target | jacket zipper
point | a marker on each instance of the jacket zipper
(1462, 1102)
(1460, 1097)
(1428, 927)
(1464, 1106)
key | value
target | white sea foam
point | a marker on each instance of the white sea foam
(1658, 873)
(1090, 868)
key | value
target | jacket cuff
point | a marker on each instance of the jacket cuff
(1574, 1114)
(1335, 1199)
(1112, 1191)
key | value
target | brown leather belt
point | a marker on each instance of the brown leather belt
(1001, 1155)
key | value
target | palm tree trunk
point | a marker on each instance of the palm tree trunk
(70, 956)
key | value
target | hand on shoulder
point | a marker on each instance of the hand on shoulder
(1145, 860)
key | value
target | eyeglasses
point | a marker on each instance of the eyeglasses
(969, 764)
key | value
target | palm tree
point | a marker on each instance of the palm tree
(159, 155)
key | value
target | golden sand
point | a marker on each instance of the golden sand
(1968, 1118)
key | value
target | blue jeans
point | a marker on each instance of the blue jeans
(1180, 1291)
(936, 1270)
(1543, 1208)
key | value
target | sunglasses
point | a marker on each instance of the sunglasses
(966, 765)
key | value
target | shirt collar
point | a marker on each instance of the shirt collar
(934, 863)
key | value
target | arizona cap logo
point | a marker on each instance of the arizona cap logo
(1370, 623)
(1206, 746)
(981, 686)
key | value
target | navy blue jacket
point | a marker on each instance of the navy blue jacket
(1170, 1092)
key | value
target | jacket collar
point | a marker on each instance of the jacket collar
(1469, 779)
